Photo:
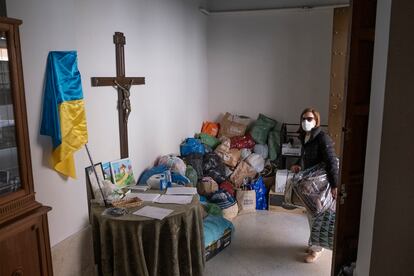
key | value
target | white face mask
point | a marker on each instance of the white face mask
(308, 126)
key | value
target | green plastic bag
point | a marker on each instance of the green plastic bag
(209, 140)
(261, 127)
(213, 209)
(273, 141)
(191, 174)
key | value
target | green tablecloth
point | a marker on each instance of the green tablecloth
(135, 245)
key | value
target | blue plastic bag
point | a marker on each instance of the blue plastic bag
(191, 145)
(150, 172)
(261, 193)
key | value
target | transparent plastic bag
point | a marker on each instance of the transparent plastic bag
(312, 186)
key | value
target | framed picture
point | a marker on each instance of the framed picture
(92, 179)
(122, 173)
(106, 167)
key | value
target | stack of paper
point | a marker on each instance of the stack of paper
(181, 191)
(174, 199)
(153, 212)
(144, 197)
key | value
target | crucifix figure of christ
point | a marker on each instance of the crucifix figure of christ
(123, 85)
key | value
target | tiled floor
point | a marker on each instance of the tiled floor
(267, 243)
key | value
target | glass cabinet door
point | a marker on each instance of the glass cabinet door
(9, 161)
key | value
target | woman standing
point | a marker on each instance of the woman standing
(317, 147)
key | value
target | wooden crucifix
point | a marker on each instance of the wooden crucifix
(123, 85)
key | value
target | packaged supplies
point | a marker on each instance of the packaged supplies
(323, 229)
(207, 186)
(207, 149)
(261, 193)
(214, 228)
(281, 180)
(244, 153)
(233, 125)
(231, 212)
(256, 161)
(223, 199)
(214, 167)
(173, 163)
(192, 175)
(242, 170)
(150, 172)
(273, 141)
(313, 188)
(191, 145)
(269, 169)
(208, 140)
(195, 160)
(246, 200)
(228, 187)
(226, 202)
(228, 171)
(291, 150)
(179, 179)
(210, 128)
(224, 146)
(213, 209)
(262, 150)
(261, 128)
(242, 142)
(230, 158)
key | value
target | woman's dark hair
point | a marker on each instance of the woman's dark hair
(315, 113)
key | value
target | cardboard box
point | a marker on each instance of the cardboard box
(215, 248)
(276, 204)
(291, 150)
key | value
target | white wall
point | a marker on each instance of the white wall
(379, 73)
(275, 62)
(165, 42)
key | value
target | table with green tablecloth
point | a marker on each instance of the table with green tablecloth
(136, 245)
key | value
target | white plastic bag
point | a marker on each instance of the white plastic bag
(256, 161)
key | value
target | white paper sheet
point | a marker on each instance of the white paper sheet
(174, 199)
(181, 191)
(153, 212)
(144, 197)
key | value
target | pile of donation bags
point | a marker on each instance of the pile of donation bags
(225, 161)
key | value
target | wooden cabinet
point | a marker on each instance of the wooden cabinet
(24, 234)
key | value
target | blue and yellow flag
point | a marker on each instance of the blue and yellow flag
(63, 116)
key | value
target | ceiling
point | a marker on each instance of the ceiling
(237, 5)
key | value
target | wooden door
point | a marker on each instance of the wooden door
(354, 132)
(339, 60)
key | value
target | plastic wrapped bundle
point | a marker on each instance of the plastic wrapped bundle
(262, 150)
(256, 161)
(312, 186)
(214, 167)
(174, 163)
(195, 160)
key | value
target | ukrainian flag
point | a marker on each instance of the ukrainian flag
(63, 117)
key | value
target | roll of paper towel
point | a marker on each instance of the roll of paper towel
(154, 181)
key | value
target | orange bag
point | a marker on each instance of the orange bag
(210, 128)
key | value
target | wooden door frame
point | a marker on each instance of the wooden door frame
(350, 71)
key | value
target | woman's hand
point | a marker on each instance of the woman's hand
(334, 192)
(295, 168)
